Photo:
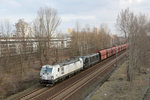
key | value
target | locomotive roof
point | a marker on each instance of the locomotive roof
(48, 66)
(70, 61)
(62, 63)
(91, 55)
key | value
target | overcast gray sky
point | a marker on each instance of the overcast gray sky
(92, 12)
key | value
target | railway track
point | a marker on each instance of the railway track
(31, 94)
(68, 87)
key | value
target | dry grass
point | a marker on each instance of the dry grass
(11, 83)
(117, 88)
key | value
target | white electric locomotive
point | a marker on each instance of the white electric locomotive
(51, 74)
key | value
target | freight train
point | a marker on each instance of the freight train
(51, 74)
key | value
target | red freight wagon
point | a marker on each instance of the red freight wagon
(103, 54)
(124, 46)
(109, 52)
(119, 48)
(113, 50)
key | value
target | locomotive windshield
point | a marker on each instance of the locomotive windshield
(46, 70)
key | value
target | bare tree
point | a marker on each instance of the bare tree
(45, 25)
(123, 24)
(22, 34)
(134, 28)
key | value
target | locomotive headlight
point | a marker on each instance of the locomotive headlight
(40, 76)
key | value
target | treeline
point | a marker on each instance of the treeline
(136, 29)
(89, 40)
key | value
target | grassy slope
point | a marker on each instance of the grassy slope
(117, 88)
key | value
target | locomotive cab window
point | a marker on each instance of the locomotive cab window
(46, 70)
